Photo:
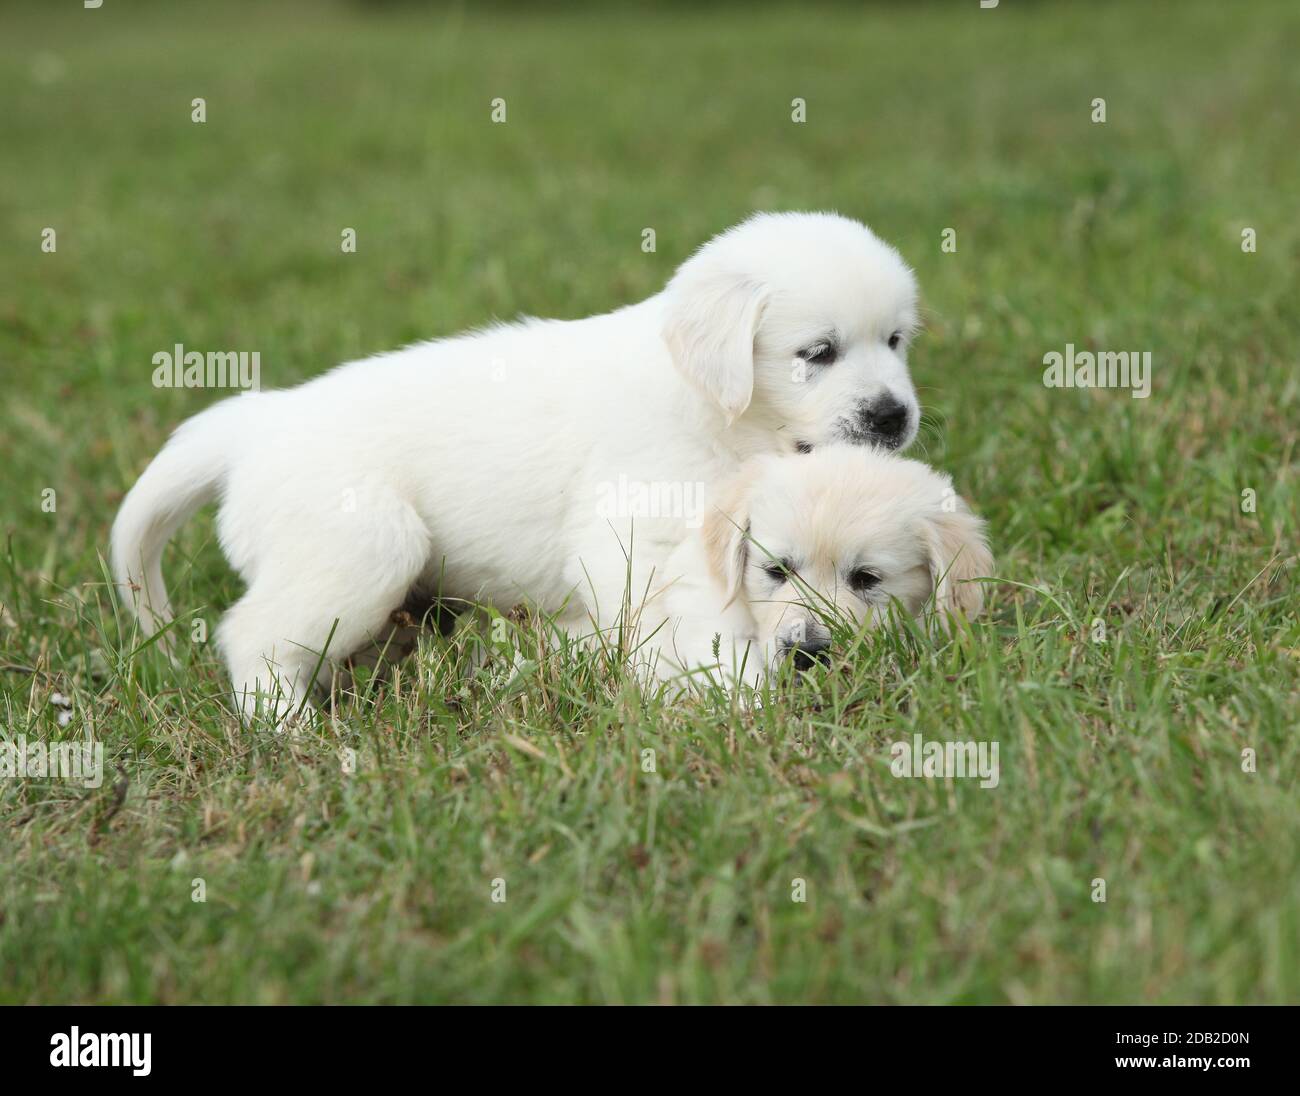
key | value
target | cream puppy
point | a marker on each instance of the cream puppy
(471, 466)
(841, 532)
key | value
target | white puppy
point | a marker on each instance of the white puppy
(471, 467)
(842, 533)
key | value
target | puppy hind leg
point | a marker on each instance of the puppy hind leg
(269, 655)
(283, 637)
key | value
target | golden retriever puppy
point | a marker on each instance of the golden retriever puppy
(844, 531)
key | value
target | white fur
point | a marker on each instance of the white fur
(830, 513)
(471, 466)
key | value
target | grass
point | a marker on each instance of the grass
(1121, 760)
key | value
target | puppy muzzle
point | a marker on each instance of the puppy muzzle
(805, 643)
(884, 422)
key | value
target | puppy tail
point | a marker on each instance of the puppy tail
(186, 474)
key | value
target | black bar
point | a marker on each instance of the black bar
(336, 1045)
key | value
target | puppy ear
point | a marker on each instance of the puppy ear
(712, 318)
(725, 531)
(959, 553)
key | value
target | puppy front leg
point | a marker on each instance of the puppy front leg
(693, 653)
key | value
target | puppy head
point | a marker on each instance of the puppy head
(801, 322)
(845, 531)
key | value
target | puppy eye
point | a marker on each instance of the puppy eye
(778, 570)
(895, 339)
(820, 354)
(861, 580)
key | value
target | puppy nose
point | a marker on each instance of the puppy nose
(886, 419)
(807, 653)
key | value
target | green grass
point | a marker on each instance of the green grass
(1121, 760)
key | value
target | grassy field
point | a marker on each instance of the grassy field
(1122, 760)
